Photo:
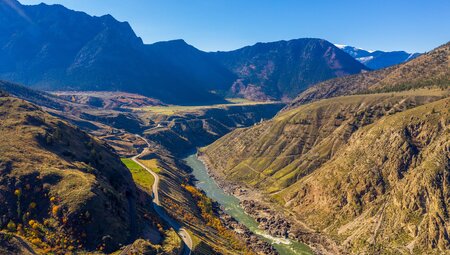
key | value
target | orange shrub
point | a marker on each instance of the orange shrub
(36, 241)
(55, 210)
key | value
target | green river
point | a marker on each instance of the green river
(231, 206)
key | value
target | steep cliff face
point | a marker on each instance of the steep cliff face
(369, 171)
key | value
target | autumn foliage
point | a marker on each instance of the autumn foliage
(206, 206)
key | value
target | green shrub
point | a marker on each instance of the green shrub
(11, 226)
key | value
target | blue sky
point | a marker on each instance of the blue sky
(411, 25)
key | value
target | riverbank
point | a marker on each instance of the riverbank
(255, 243)
(271, 217)
(180, 206)
(231, 205)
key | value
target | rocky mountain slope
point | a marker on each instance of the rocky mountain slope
(53, 179)
(94, 112)
(431, 69)
(378, 59)
(296, 142)
(386, 191)
(286, 157)
(281, 70)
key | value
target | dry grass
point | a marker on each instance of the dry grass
(276, 153)
(55, 165)
(152, 164)
(176, 109)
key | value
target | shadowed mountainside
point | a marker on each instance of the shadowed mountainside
(281, 70)
(54, 48)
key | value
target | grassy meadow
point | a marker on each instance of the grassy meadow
(174, 109)
(141, 176)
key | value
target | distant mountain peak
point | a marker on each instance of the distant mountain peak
(176, 42)
(343, 47)
(10, 3)
(377, 59)
(12, 8)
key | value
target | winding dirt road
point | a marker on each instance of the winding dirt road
(184, 235)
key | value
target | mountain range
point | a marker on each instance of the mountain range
(53, 48)
(378, 59)
(50, 47)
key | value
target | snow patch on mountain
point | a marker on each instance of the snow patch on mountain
(364, 59)
(340, 46)
(343, 46)
(377, 59)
